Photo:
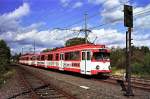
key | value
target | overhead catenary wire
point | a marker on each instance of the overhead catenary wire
(70, 17)
(111, 22)
(94, 15)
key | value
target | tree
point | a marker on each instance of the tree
(47, 50)
(4, 55)
(117, 57)
(144, 49)
(75, 41)
(15, 57)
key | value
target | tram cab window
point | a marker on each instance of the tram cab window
(88, 56)
(83, 55)
(100, 55)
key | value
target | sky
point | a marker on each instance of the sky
(24, 21)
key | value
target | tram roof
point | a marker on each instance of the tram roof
(76, 47)
(71, 48)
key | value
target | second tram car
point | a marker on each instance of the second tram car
(88, 59)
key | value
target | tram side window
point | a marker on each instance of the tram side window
(72, 55)
(57, 56)
(27, 58)
(42, 57)
(50, 57)
(38, 57)
(67, 56)
(31, 58)
(34, 58)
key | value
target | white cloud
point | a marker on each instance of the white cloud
(23, 37)
(10, 21)
(21, 11)
(110, 4)
(96, 1)
(77, 4)
(113, 10)
(109, 16)
(110, 37)
(143, 22)
(65, 3)
(71, 4)
(143, 19)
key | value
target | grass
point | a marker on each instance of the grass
(121, 72)
(6, 75)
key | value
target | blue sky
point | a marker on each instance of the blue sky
(23, 21)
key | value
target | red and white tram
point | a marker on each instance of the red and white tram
(86, 59)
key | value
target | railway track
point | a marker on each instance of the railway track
(38, 88)
(136, 82)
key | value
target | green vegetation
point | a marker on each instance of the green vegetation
(140, 61)
(15, 58)
(4, 59)
(75, 41)
(4, 56)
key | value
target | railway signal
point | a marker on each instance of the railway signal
(128, 16)
(128, 22)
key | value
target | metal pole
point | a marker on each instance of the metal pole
(22, 51)
(127, 49)
(85, 30)
(129, 91)
(34, 46)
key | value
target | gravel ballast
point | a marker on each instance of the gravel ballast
(79, 87)
(85, 88)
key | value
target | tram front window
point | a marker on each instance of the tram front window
(100, 55)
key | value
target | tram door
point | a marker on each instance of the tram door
(85, 62)
(61, 61)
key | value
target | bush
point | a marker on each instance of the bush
(137, 68)
(147, 63)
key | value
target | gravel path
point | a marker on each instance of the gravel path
(13, 87)
(84, 88)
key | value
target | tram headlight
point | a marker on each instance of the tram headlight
(109, 67)
(97, 67)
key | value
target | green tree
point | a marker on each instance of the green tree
(147, 63)
(47, 50)
(144, 49)
(4, 55)
(75, 41)
(15, 57)
(117, 57)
